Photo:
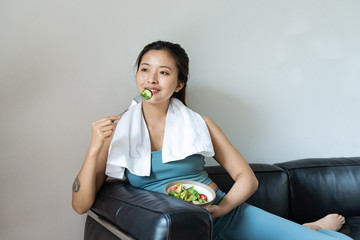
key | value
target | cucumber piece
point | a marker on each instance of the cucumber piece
(179, 188)
(174, 194)
(147, 94)
(183, 195)
(202, 201)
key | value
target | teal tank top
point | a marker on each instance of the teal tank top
(191, 168)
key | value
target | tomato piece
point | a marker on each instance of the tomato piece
(203, 196)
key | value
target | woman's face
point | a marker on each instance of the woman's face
(159, 73)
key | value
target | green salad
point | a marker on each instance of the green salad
(189, 194)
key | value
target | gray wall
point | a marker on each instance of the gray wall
(281, 78)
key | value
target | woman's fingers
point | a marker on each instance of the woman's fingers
(107, 134)
(113, 118)
(107, 128)
(106, 120)
(103, 128)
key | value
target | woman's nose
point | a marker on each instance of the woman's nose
(153, 79)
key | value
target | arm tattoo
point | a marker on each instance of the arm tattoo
(76, 185)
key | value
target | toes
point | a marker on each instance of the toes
(333, 215)
(341, 219)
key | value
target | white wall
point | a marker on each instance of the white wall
(281, 78)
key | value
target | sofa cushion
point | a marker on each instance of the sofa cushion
(150, 215)
(322, 186)
(272, 194)
(220, 177)
(273, 191)
(352, 227)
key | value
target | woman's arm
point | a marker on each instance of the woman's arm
(234, 163)
(92, 173)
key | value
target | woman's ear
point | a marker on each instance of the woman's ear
(179, 86)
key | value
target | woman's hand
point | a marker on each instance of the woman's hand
(216, 211)
(102, 129)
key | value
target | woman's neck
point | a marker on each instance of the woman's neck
(155, 112)
(155, 119)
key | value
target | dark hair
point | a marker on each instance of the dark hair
(182, 63)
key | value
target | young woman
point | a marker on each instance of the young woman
(161, 140)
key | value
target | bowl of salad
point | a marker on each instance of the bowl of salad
(191, 191)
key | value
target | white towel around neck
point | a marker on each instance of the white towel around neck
(186, 133)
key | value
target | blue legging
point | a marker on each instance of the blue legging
(247, 222)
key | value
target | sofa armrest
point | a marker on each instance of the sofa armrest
(143, 214)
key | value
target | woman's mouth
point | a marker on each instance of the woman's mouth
(154, 90)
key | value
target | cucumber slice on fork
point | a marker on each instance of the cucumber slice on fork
(147, 94)
(144, 95)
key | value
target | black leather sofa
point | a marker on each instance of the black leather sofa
(301, 190)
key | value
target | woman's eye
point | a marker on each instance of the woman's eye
(144, 69)
(164, 73)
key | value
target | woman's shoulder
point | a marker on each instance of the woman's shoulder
(212, 126)
(208, 120)
(214, 129)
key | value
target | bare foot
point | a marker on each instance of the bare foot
(312, 226)
(331, 222)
